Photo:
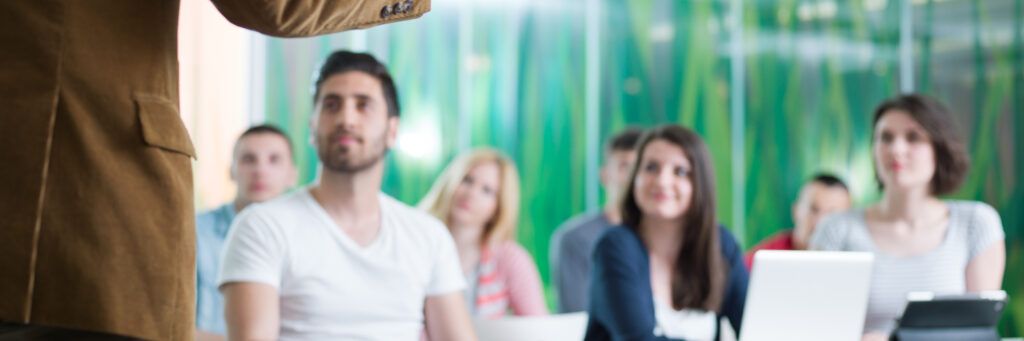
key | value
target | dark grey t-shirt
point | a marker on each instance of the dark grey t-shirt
(571, 247)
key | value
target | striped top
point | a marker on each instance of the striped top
(506, 278)
(973, 227)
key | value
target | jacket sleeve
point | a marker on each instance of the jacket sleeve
(737, 280)
(620, 291)
(300, 18)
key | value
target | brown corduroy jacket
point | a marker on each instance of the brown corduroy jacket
(96, 210)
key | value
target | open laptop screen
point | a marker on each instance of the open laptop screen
(807, 295)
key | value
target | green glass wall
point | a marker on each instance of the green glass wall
(788, 95)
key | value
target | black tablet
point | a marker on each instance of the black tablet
(964, 317)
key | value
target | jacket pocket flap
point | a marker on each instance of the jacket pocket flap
(162, 126)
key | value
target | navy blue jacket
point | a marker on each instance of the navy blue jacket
(621, 300)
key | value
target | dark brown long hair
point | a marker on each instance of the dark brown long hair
(699, 278)
(951, 159)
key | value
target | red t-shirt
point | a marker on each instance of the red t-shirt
(780, 241)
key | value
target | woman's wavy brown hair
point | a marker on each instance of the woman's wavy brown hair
(951, 159)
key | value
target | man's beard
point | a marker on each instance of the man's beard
(342, 159)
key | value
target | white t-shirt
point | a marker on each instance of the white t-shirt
(685, 324)
(330, 287)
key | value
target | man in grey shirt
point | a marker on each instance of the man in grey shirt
(573, 241)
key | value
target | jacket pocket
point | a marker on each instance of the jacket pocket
(161, 124)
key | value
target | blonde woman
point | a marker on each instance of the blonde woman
(477, 197)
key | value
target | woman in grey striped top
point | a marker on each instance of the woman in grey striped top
(920, 242)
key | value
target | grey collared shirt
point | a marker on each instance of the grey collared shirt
(571, 248)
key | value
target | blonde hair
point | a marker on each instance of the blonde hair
(502, 226)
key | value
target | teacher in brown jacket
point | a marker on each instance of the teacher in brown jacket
(96, 208)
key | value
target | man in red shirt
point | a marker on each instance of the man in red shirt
(823, 195)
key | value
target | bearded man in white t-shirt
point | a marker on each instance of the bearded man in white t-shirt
(340, 260)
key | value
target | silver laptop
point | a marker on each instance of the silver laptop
(807, 295)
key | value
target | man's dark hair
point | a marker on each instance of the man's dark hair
(345, 61)
(951, 159)
(625, 140)
(829, 180)
(267, 129)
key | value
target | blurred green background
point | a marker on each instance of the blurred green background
(779, 90)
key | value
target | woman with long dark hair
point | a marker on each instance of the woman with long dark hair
(670, 271)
